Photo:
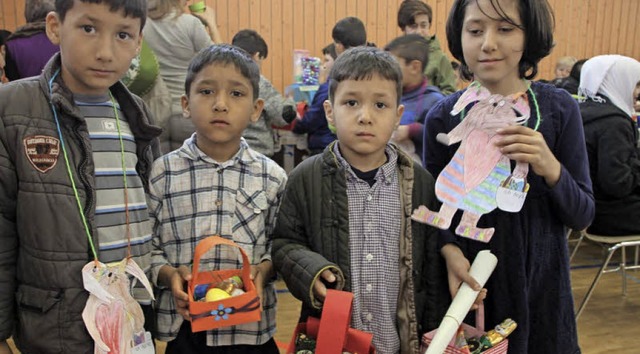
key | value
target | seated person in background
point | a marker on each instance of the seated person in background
(348, 32)
(277, 110)
(328, 56)
(608, 83)
(28, 49)
(563, 67)
(418, 96)
(571, 82)
(415, 17)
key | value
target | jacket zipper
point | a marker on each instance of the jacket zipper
(82, 175)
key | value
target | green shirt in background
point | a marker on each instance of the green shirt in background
(439, 70)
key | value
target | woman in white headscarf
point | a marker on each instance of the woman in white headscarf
(611, 132)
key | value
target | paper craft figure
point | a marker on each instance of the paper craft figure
(112, 316)
(472, 179)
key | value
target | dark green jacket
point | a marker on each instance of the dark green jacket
(43, 245)
(312, 234)
(439, 70)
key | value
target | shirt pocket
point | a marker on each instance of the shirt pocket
(251, 216)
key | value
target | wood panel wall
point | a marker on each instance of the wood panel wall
(584, 28)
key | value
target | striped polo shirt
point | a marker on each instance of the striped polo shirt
(110, 217)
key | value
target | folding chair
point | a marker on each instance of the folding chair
(614, 243)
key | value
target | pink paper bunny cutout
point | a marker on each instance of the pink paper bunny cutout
(470, 180)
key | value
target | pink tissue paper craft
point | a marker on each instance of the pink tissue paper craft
(478, 178)
(113, 318)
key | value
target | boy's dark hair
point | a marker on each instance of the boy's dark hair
(37, 10)
(537, 24)
(455, 65)
(251, 42)
(349, 32)
(577, 68)
(132, 8)
(224, 54)
(410, 47)
(331, 50)
(408, 11)
(362, 63)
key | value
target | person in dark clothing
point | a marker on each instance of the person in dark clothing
(29, 49)
(571, 82)
(608, 83)
(348, 32)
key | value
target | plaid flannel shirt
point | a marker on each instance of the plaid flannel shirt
(192, 197)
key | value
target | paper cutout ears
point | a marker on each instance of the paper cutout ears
(476, 92)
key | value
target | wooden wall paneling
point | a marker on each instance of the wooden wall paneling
(297, 31)
(601, 26)
(10, 15)
(591, 28)
(632, 29)
(233, 13)
(342, 10)
(276, 46)
(383, 25)
(623, 26)
(352, 9)
(287, 43)
(361, 13)
(393, 30)
(372, 22)
(614, 32)
(308, 26)
(578, 31)
(322, 18)
(221, 7)
(330, 19)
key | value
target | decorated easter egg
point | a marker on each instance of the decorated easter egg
(215, 294)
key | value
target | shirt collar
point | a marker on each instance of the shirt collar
(191, 151)
(385, 172)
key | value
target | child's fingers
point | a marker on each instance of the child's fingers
(185, 273)
(319, 290)
(328, 276)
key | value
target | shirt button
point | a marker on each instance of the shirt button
(369, 317)
(369, 197)
(218, 202)
(369, 287)
(369, 257)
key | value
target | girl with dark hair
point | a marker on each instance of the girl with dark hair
(499, 44)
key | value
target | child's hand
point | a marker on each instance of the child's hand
(524, 144)
(458, 272)
(260, 274)
(178, 280)
(319, 287)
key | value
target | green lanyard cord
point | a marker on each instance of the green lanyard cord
(535, 104)
(73, 183)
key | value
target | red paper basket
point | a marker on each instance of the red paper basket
(500, 348)
(232, 311)
(332, 330)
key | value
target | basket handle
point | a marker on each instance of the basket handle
(334, 322)
(480, 317)
(205, 245)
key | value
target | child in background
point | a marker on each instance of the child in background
(76, 149)
(215, 184)
(4, 34)
(416, 17)
(563, 67)
(329, 55)
(500, 43)
(348, 32)
(345, 216)
(277, 110)
(412, 53)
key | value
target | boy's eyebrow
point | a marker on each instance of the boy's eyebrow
(97, 20)
(375, 94)
(213, 81)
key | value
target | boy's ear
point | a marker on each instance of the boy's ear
(416, 66)
(53, 23)
(328, 112)
(258, 105)
(186, 112)
(399, 113)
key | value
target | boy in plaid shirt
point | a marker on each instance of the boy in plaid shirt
(215, 185)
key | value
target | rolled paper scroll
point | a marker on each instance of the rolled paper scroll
(481, 269)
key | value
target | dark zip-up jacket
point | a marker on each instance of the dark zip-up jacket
(43, 245)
